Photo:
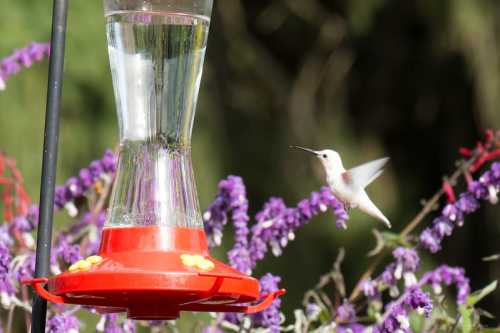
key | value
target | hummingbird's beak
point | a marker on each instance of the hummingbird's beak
(305, 149)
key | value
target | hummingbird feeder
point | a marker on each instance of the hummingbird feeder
(153, 259)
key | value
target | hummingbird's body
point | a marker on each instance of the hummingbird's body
(349, 185)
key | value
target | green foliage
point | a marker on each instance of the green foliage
(478, 295)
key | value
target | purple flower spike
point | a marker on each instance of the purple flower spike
(467, 203)
(60, 197)
(420, 301)
(27, 269)
(270, 317)
(96, 169)
(430, 240)
(370, 288)
(22, 58)
(452, 213)
(212, 329)
(396, 317)
(442, 227)
(111, 324)
(5, 236)
(5, 259)
(351, 328)
(22, 224)
(446, 275)
(486, 188)
(33, 214)
(346, 313)
(70, 253)
(407, 262)
(63, 324)
(73, 188)
(276, 223)
(396, 321)
(85, 177)
(407, 258)
(495, 172)
(109, 161)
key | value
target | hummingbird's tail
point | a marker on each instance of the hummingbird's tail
(368, 207)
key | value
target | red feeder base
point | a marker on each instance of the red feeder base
(154, 273)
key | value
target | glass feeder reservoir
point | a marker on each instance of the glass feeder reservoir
(153, 260)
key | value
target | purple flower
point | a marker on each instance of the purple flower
(96, 168)
(112, 325)
(346, 313)
(351, 328)
(276, 223)
(313, 310)
(467, 203)
(388, 276)
(5, 236)
(486, 188)
(5, 259)
(85, 178)
(452, 213)
(430, 240)
(63, 324)
(215, 217)
(416, 299)
(38, 51)
(212, 329)
(396, 318)
(234, 191)
(60, 197)
(442, 227)
(6, 286)
(269, 318)
(32, 216)
(370, 288)
(109, 162)
(69, 253)
(21, 224)
(407, 259)
(21, 58)
(6, 289)
(27, 269)
(73, 188)
(446, 275)
(156, 323)
(495, 172)
(240, 258)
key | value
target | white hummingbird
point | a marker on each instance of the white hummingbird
(349, 185)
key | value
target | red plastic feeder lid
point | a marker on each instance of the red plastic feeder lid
(154, 273)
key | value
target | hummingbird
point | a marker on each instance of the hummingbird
(349, 185)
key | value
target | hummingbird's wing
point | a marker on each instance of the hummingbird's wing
(364, 174)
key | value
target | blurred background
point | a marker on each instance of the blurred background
(413, 80)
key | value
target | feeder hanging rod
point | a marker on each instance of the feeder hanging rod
(51, 137)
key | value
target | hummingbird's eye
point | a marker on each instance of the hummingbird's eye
(325, 156)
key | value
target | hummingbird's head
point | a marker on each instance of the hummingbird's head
(329, 158)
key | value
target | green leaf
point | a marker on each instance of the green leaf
(466, 313)
(478, 295)
(394, 240)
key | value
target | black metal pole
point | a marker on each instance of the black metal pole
(51, 138)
